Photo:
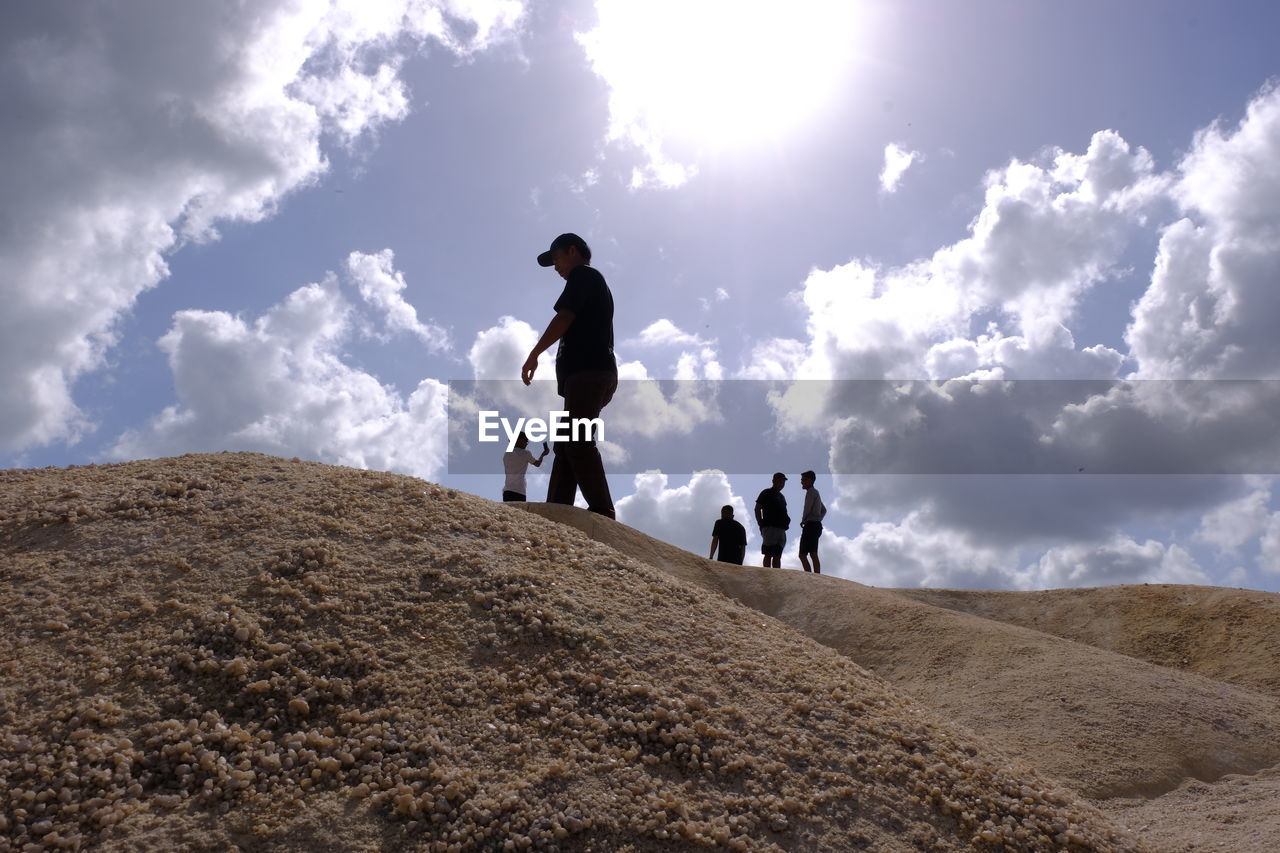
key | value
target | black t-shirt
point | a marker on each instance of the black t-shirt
(588, 343)
(774, 506)
(733, 540)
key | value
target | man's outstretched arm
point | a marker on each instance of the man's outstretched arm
(555, 331)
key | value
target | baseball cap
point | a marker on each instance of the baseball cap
(779, 474)
(564, 241)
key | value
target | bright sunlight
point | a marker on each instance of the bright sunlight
(719, 74)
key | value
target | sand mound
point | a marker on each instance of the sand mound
(239, 650)
(1231, 635)
(1103, 723)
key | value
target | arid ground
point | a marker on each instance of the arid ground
(236, 650)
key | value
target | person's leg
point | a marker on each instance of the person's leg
(585, 396)
(766, 546)
(804, 561)
(561, 486)
(813, 550)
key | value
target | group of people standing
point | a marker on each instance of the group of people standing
(587, 377)
(730, 538)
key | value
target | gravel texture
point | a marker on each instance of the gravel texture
(1157, 701)
(236, 650)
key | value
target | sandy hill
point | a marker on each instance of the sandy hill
(240, 651)
(1231, 635)
(1083, 699)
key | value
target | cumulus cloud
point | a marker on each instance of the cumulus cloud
(664, 333)
(1234, 523)
(279, 385)
(1047, 233)
(919, 552)
(1269, 552)
(382, 286)
(1210, 310)
(1121, 560)
(684, 515)
(135, 128)
(896, 162)
(1001, 304)
(912, 552)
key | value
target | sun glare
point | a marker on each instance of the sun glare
(719, 73)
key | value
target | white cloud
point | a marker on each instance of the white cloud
(279, 385)
(1269, 554)
(1233, 524)
(777, 359)
(914, 552)
(896, 162)
(684, 515)
(1210, 310)
(918, 552)
(664, 333)
(1049, 231)
(1121, 560)
(143, 127)
(382, 286)
(499, 351)
(703, 364)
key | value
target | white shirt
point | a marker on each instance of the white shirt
(814, 508)
(515, 463)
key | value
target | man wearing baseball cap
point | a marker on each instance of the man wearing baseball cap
(586, 370)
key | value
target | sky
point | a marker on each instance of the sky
(287, 226)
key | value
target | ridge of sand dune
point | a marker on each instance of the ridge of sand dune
(1103, 723)
(237, 650)
(1231, 635)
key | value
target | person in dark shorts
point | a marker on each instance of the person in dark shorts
(771, 515)
(730, 537)
(586, 370)
(515, 463)
(811, 522)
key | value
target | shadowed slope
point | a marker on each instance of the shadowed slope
(1231, 635)
(1104, 723)
(229, 650)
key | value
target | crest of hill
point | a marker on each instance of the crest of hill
(1231, 635)
(238, 650)
(1105, 724)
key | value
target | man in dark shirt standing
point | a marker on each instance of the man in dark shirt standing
(730, 537)
(586, 371)
(771, 515)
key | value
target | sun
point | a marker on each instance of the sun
(720, 74)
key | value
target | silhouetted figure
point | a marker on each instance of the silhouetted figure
(811, 522)
(586, 371)
(730, 537)
(771, 515)
(515, 463)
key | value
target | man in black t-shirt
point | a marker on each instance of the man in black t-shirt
(586, 370)
(730, 536)
(771, 515)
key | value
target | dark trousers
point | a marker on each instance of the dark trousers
(577, 464)
(508, 496)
